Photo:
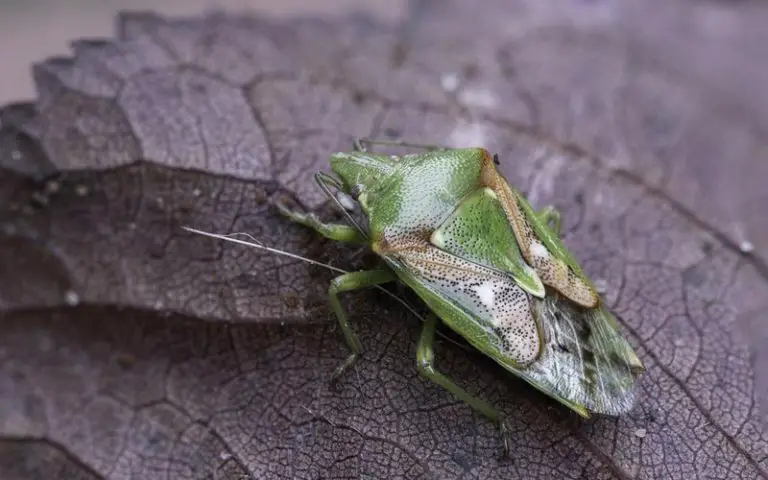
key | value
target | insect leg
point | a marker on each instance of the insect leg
(345, 283)
(334, 231)
(425, 357)
(360, 144)
(551, 217)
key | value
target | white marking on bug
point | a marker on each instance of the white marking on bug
(71, 298)
(196, 192)
(437, 239)
(641, 432)
(16, 155)
(485, 292)
(81, 190)
(449, 82)
(491, 193)
(539, 250)
(480, 97)
(468, 135)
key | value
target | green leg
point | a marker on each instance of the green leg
(551, 218)
(360, 144)
(425, 363)
(345, 283)
(334, 231)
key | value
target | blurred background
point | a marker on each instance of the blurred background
(31, 30)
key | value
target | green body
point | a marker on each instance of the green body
(449, 226)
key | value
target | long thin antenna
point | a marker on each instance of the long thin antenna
(255, 244)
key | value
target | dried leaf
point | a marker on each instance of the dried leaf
(116, 358)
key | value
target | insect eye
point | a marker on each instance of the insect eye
(355, 191)
(346, 201)
(496, 159)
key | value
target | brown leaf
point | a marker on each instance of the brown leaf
(656, 161)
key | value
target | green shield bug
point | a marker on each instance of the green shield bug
(449, 226)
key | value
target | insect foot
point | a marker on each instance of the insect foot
(342, 369)
(504, 430)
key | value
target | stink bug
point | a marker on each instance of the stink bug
(448, 225)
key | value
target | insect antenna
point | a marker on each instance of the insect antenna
(255, 244)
